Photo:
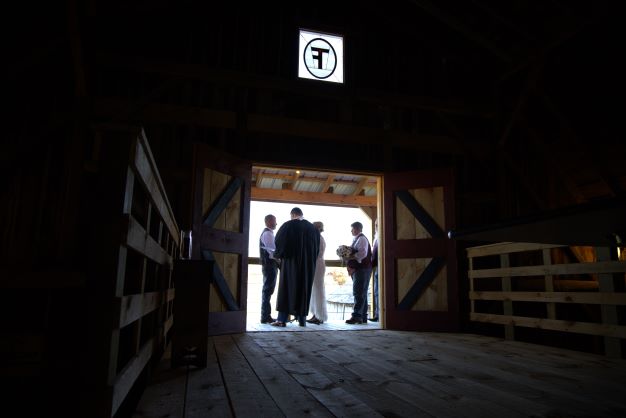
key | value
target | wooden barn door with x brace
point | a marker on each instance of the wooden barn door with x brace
(221, 212)
(420, 269)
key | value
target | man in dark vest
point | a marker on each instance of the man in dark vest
(360, 269)
(297, 245)
(269, 267)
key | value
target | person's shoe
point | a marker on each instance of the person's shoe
(312, 320)
(268, 320)
(316, 321)
(354, 320)
(278, 324)
(374, 319)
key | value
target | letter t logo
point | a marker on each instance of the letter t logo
(320, 55)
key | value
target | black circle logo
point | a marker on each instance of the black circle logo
(320, 58)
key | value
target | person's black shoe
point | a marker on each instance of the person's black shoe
(268, 320)
(374, 319)
(354, 320)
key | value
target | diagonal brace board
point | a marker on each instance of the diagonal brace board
(420, 214)
(422, 282)
(222, 201)
(220, 283)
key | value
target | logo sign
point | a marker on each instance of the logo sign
(321, 56)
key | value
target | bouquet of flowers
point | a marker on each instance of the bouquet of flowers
(345, 252)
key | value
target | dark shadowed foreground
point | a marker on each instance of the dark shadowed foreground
(386, 373)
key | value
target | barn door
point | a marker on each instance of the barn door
(221, 210)
(421, 291)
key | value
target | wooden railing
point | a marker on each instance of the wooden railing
(517, 285)
(138, 241)
(328, 263)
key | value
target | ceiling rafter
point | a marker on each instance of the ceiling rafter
(612, 185)
(521, 100)
(329, 180)
(359, 186)
(276, 125)
(313, 198)
(507, 22)
(263, 83)
(455, 24)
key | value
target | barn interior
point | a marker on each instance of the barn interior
(492, 127)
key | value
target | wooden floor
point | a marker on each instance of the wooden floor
(381, 373)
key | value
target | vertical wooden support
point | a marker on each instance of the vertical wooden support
(142, 286)
(509, 330)
(190, 333)
(471, 285)
(549, 283)
(612, 345)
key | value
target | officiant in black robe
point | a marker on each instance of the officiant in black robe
(297, 244)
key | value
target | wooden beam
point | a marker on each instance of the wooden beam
(276, 125)
(250, 80)
(615, 331)
(327, 183)
(553, 269)
(371, 213)
(523, 179)
(508, 22)
(521, 100)
(556, 164)
(457, 25)
(359, 186)
(327, 199)
(259, 176)
(507, 248)
(592, 298)
(294, 179)
(583, 148)
(563, 37)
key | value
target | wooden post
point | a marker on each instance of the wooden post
(509, 330)
(471, 285)
(549, 283)
(612, 345)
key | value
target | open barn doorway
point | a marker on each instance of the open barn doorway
(335, 199)
(415, 209)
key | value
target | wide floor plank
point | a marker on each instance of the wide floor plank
(382, 373)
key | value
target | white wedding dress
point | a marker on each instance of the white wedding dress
(318, 293)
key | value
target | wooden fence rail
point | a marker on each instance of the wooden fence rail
(138, 241)
(535, 293)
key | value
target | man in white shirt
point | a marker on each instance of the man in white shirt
(269, 267)
(360, 268)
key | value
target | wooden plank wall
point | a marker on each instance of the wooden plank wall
(517, 285)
